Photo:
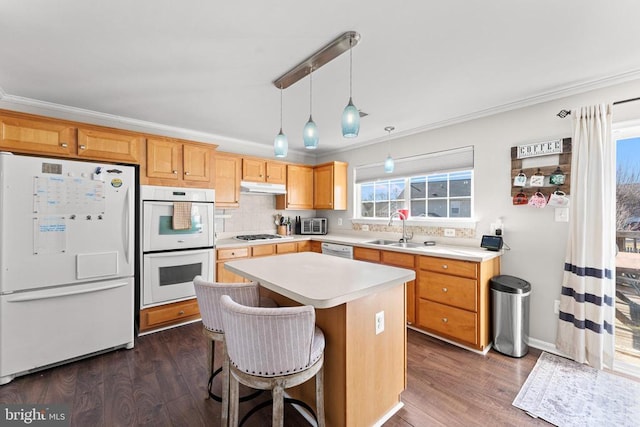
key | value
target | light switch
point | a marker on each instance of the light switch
(562, 214)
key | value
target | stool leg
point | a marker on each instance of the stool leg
(225, 385)
(211, 350)
(234, 401)
(320, 397)
(278, 406)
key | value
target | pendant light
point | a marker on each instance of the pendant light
(280, 143)
(389, 163)
(310, 132)
(350, 115)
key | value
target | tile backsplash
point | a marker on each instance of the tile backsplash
(256, 214)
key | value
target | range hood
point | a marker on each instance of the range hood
(249, 187)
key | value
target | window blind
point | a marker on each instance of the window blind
(423, 164)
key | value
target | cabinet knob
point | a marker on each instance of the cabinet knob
(444, 289)
(445, 320)
(63, 145)
(181, 312)
(186, 173)
(233, 253)
(83, 147)
(445, 266)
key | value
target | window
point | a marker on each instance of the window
(441, 195)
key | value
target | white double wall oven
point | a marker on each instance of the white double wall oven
(172, 256)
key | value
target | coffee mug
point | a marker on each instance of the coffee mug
(557, 177)
(558, 199)
(520, 199)
(520, 180)
(537, 180)
(538, 200)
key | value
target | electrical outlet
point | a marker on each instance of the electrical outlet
(339, 221)
(556, 306)
(449, 232)
(379, 322)
(365, 227)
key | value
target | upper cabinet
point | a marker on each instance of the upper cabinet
(330, 186)
(299, 188)
(260, 170)
(113, 146)
(38, 135)
(179, 163)
(228, 172)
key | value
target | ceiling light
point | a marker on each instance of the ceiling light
(280, 143)
(389, 163)
(350, 115)
(310, 133)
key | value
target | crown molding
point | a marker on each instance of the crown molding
(567, 91)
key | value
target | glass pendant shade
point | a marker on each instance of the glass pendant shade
(280, 145)
(310, 135)
(388, 164)
(350, 120)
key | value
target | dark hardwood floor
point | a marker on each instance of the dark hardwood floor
(162, 382)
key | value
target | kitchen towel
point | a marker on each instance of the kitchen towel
(181, 215)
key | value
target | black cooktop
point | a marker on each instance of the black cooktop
(258, 236)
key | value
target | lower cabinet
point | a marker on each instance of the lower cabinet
(449, 298)
(169, 314)
(453, 299)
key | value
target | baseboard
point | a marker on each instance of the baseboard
(482, 352)
(546, 346)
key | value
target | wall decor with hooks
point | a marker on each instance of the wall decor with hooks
(539, 171)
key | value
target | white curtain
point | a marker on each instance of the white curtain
(587, 318)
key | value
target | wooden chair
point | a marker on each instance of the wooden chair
(208, 295)
(273, 349)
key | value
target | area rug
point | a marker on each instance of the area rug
(568, 394)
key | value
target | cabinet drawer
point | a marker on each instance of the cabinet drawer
(263, 250)
(449, 266)
(366, 254)
(452, 322)
(286, 248)
(452, 290)
(398, 259)
(304, 246)
(232, 253)
(170, 313)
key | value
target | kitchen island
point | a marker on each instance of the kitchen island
(365, 367)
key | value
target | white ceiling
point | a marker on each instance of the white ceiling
(207, 66)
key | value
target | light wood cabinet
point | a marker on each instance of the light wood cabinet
(315, 246)
(453, 299)
(179, 163)
(330, 186)
(299, 188)
(28, 134)
(260, 170)
(304, 246)
(286, 248)
(228, 173)
(169, 314)
(263, 250)
(97, 144)
(228, 254)
(396, 259)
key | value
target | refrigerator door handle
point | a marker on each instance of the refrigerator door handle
(31, 297)
(126, 222)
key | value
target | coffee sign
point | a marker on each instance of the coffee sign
(540, 149)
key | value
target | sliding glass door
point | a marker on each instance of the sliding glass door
(628, 245)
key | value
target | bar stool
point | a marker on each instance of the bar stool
(208, 295)
(273, 349)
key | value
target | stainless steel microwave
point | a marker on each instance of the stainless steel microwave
(314, 226)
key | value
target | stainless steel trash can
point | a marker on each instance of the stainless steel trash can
(510, 314)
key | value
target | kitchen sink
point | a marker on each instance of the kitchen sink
(382, 242)
(406, 245)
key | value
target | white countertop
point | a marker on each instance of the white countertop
(465, 253)
(322, 281)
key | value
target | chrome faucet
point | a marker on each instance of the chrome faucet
(405, 237)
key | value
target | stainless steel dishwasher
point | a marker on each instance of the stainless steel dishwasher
(335, 249)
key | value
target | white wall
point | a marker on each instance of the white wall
(537, 242)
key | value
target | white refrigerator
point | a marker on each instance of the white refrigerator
(66, 261)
